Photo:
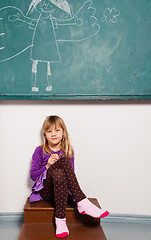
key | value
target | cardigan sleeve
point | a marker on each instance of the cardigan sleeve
(36, 167)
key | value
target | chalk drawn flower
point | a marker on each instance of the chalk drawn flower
(110, 15)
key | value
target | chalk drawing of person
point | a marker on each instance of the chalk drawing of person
(44, 44)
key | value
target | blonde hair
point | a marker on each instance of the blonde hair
(65, 142)
(62, 4)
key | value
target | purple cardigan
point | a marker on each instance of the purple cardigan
(38, 171)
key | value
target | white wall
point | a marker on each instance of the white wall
(112, 146)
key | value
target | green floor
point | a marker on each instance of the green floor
(123, 231)
(113, 231)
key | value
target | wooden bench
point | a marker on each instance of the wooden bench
(39, 223)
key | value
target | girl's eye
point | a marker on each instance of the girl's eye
(57, 130)
(49, 5)
(42, 4)
(62, 15)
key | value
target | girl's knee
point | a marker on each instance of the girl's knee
(62, 163)
(65, 161)
(58, 175)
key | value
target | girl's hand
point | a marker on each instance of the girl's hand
(53, 158)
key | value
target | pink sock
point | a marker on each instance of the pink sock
(61, 228)
(86, 207)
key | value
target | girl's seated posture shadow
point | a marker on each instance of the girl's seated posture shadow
(52, 170)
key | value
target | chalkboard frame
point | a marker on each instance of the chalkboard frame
(73, 97)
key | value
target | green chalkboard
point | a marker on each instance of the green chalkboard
(67, 49)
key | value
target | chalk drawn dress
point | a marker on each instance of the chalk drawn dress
(44, 45)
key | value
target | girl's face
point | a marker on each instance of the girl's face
(54, 136)
(46, 7)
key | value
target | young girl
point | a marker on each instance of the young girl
(52, 170)
(44, 43)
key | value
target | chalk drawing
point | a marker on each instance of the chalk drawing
(108, 70)
(54, 14)
(110, 15)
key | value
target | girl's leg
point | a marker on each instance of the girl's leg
(61, 197)
(62, 177)
(55, 186)
(72, 182)
(34, 71)
(56, 190)
(60, 192)
(83, 204)
(49, 87)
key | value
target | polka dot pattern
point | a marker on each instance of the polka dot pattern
(61, 178)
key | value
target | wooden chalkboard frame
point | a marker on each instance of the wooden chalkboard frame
(120, 32)
(74, 97)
